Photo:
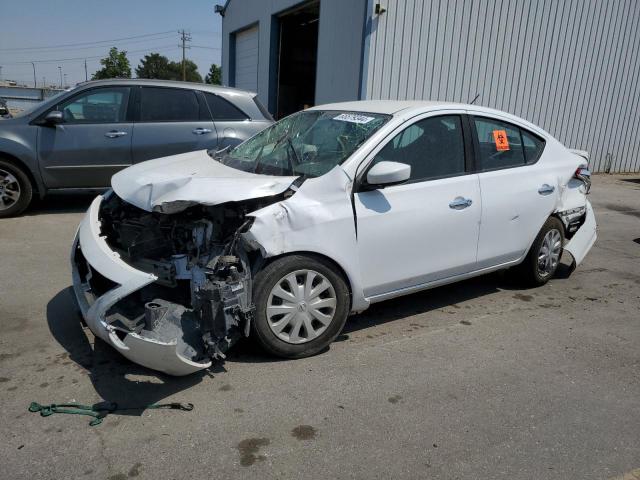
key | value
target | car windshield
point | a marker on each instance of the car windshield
(308, 143)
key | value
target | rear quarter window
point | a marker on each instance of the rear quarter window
(533, 146)
(222, 109)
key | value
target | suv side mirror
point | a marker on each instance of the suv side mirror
(388, 173)
(54, 117)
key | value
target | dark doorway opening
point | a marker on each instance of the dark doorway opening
(298, 55)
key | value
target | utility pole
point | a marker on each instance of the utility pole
(60, 70)
(65, 80)
(0, 72)
(86, 77)
(35, 84)
(184, 37)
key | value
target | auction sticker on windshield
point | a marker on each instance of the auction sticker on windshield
(353, 118)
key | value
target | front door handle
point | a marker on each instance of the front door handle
(460, 203)
(201, 131)
(546, 189)
(115, 134)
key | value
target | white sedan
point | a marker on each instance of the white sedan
(319, 216)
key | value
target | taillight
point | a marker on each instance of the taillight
(584, 175)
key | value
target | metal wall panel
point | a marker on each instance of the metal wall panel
(570, 66)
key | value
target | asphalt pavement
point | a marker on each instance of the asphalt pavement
(482, 379)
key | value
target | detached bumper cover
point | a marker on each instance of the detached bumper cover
(584, 238)
(90, 247)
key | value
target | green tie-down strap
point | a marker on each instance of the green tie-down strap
(100, 410)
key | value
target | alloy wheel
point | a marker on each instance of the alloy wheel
(9, 190)
(549, 253)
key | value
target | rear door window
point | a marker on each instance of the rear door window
(168, 105)
(500, 144)
(222, 109)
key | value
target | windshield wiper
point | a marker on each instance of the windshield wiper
(295, 154)
(217, 153)
(282, 138)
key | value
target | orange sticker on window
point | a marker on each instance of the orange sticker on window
(502, 142)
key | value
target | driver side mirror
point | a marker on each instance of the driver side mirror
(54, 117)
(385, 173)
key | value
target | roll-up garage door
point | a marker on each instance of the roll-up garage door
(246, 77)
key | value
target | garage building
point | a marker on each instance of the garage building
(570, 66)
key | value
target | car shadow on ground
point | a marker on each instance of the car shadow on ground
(118, 380)
(61, 203)
(427, 301)
(114, 378)
(414, 304)
(631, 180)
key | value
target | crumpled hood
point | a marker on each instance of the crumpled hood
(171, 184)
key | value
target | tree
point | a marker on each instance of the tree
(115, 65)
(191, 70)
(214, 76)
(154, 65)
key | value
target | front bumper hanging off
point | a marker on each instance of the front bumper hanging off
(92, 259)
(584, 238)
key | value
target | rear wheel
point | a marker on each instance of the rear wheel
(302, 304)
(15, 190)
(543, 258)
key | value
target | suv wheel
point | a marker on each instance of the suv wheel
(15, 190)
(542, 261)
(302, 304)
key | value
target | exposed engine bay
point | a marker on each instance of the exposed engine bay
(202, 297)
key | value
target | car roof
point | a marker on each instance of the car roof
(415, 107)
(167, 83)
(388, 107)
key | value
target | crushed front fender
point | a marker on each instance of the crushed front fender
(100, 280)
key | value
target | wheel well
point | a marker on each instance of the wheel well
(317, 256)
(21, 165)
(564, 227)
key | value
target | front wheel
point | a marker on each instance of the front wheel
(301, 303)
(542, 261)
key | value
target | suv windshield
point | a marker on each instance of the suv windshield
(308, 143)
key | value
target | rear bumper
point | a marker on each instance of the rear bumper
(90, 254)
(584, 238)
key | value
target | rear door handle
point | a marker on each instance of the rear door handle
(546, 189)
(201, 131)
(115, 134)
(460, 203)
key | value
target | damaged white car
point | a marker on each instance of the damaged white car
(321, 214)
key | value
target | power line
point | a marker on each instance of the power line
(83, 43)
(206, 48)
(99, 46)
(90, 57)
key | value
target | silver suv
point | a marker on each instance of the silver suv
(81, 137)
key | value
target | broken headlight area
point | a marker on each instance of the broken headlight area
(201, 299)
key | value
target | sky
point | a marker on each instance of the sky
(65, 32)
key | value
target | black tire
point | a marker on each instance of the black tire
(10, 205)
(529, 271)
(274, 273)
